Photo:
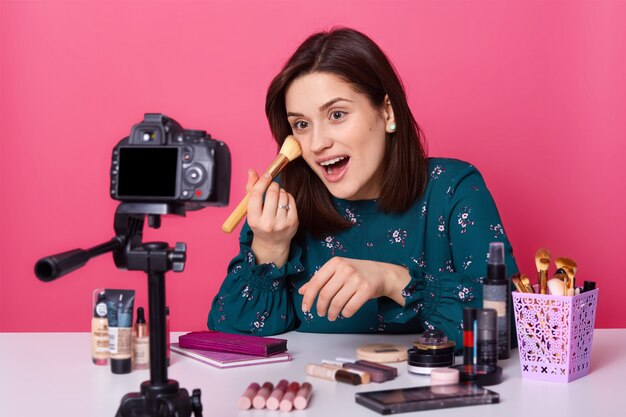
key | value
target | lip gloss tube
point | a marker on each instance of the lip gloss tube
(303, 396)
(261, 396)
(286, 404)
(245, 402)
(273, 402)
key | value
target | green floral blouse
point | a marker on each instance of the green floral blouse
(442, 239)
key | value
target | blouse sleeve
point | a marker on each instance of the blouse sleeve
(255, 298)
(437, 297)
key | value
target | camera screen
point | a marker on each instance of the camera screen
(147, 172)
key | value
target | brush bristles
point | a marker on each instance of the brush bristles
(543, 264)
(564, 263)
(291, 148)
(542, 253)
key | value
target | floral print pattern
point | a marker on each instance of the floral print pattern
(437, 171)
(465, 294)
(397, 236)
(464, 220)
(497, 230)
(257, 326)
(333, 244)
(441, 227)
(352, 215)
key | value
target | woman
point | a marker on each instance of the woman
(363, 233)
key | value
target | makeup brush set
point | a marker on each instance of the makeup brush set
(563, 283)
(554, 321)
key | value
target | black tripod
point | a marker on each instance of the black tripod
(159, 397)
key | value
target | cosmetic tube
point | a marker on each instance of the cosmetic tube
(286, 404)
(120, 314)
(303, 396)
(588, 286)
(273, 402)
(99, 330)
(258, 402)
(141, 342)
(469, 337)
(378, 372)
(486, 339)
(245, 401)
(497, 295)
(333, 374)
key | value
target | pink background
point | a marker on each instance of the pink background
(532, 93)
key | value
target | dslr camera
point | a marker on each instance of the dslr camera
(160, 162)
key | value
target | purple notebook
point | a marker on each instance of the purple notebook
(234, 343)
(226, 359)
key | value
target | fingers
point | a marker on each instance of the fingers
(292, 212)
(253, 177)
(255, 202)
(342, 286)
(282, 208)
(270, 207)
(314, 286)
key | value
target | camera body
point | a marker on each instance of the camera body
(160, 162)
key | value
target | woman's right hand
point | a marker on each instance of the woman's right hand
(273, 220)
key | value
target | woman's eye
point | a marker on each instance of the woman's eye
(299, 125)
(336, 115)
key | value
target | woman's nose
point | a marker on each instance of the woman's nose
(320, 140)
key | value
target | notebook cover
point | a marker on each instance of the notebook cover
(227, 359)
(235, 343)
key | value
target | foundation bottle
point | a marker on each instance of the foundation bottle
(99, 331)
(141, 342)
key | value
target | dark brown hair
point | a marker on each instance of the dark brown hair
(356, 59)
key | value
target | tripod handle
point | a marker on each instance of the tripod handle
(55, 266)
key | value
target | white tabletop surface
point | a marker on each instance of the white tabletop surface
(51, 374)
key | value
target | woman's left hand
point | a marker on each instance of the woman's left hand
(344, 285)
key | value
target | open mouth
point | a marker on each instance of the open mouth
(335, 165)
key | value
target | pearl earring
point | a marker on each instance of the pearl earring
(391, 128)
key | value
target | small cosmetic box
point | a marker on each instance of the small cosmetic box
(554, 334)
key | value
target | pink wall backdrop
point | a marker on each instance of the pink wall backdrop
(532, 93)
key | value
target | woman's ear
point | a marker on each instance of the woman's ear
(390, 120)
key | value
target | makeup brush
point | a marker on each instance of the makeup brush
(542, 261)
(518, 283)
(526, 283)
(569, 267)
(288, 152)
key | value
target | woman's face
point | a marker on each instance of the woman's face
(341, 134)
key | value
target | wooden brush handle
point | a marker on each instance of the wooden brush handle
(242, 208)
(237, 215)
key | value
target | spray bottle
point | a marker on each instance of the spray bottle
(497, 294)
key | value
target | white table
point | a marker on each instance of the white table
(50, 374)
